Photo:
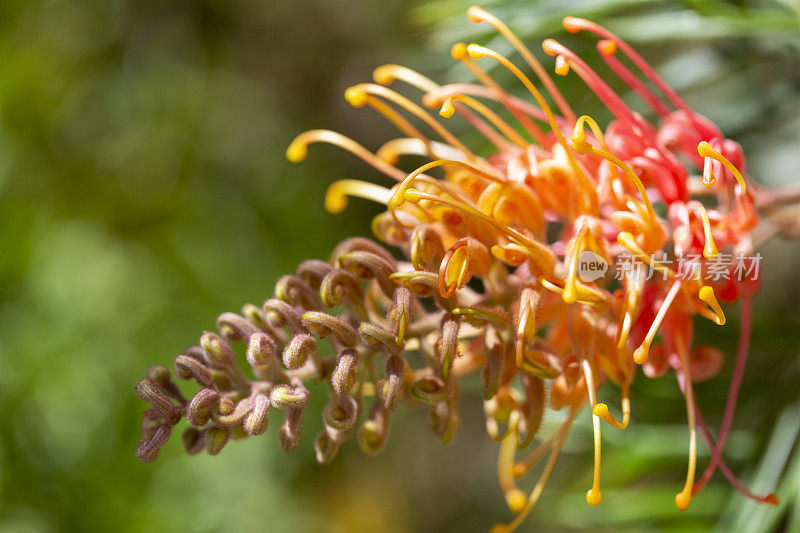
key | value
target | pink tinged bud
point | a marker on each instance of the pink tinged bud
(289, 434)
(326, 446)
(188, 367)
(280, 314)
(193, 440)
(234, 327)
(260, 349)
(148, 450)
(299, 349)
(255, 423)
(345, 375)
(160, 374)
(151, 392)
(430, 388)
(373, 433)
(216, 439)
(447, 345)
(199, 411)
(218, 352)
(341, 414)
(325, 325)
(285, 397)
(393, 389)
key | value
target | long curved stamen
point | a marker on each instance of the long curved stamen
(627, 240)
(574, 25)
(393, 149)
(745, 328)
(526, 328)
(705, 150)
(357, 96)
(436, 97)
(414, 195)
(399, 122)
(539, 487)
(710, 250)
(460, 53)
(298, 150)
(593, 495)
(684, 497)
(633, 292)
(447, 111)
(592, 80)
(582, 146)
(586, 295)
(707, 295)
(338, 191)
(478, 15)
(515, 498)
(386, 74)
(570, 294)
(770, 498)
(477, 52)
(601, 409)
(407, 181)
(608, 49)
(521, 468)
(641, 353)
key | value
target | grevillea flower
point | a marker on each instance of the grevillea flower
(492, 280)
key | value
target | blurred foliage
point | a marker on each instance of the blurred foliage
(143, 190)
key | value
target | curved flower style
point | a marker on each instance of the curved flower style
(496, 279)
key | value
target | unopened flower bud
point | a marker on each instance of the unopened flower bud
(300, 348)
(188, 367)
(216, 439)
(372, 433)
(341, 413)
(255, 423)
(148, 450)
(199, 410)
(326, 447)
(234, 327)
(151, 392)
(218, 352)
(395, 374)
(345, 375)
(193, 440)
(284, 397)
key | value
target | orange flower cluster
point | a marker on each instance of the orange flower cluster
(499, 244)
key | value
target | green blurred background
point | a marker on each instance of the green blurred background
(143, 190)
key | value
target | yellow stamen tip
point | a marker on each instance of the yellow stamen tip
(607, 47)
(683, 499)
(549, 47)
(335, 199)
(641, 354)
(707, 295)
(571, 24)
(710, 250)
(593, 497)
(562, 66)
(516, 500)
(475, 51)
(518, 470)
(297, 151)
(459, 51)
(705, 150)
(499, 528)
(356, 96)
(475, 14)
(383, 75)
(412, 195)
(447, 109)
